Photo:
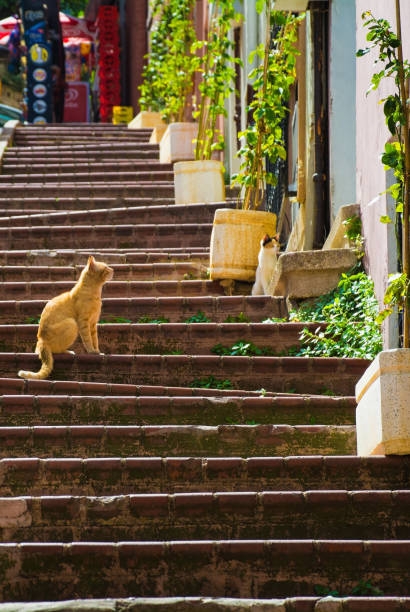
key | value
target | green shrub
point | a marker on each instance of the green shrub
(350, 312)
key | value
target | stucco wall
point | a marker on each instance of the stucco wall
(342, 105)
(371, 135)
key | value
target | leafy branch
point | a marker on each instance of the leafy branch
(272, 80)
(217, 77)
(397, 153)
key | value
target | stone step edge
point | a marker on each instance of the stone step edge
(216, 604)
(112, 389)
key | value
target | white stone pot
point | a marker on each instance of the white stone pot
(157, 134)
(383, 410)
(235, 242)
(146, 119)
(177, 143)
(199, 182)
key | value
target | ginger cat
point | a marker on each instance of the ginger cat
(69, 314)
(266, 264)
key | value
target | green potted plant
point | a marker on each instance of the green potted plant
(168, 84)
(383, 416)
(243, 228)
(202, 180)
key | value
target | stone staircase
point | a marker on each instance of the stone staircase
(124, 483)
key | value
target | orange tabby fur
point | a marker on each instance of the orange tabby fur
(69, 314)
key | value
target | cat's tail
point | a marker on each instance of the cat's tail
(47, 362)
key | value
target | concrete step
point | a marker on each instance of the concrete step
(81, 128)
(176, 440)
(176, 309)
(31, 410)
(211, 516)
(165, 338)
(122, 271)
(122, 289)
(117, 476)
(219, 604)
(277, 374)
(19, 386)
(142, 236)
(41, 205)
(81, 154)
(204, 568)
(93, 147)
(69, 257)
(159, 214)
(80, 190)
(72, 166)
(113, 175)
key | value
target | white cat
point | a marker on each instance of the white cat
(266, 264)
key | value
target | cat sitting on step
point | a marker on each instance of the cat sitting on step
(69, 314)
(266, 264)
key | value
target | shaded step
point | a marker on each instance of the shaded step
(166, 338)
(176, 309)
(114, 236)
(218, 568)
(141, 189)
(176, 440)
(122, 410)
(277, 374)
(122, 271)
(220, 604)
(197, 516)
(113, 175)
(67, 257)
(116, 476)
(57, 204)
(162, 214)
(123, 289)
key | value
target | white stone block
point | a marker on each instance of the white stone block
(383, 410)
(177, 143)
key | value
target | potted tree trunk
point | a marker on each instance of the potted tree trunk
(236, 234)
(383, 392)
(202, 180)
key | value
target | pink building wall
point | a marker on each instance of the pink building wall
(371, 135)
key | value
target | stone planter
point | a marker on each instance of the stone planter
(157, 134)
(146, 119)
(235, 242)
(199, 182)
(177, 143)
(383, 410)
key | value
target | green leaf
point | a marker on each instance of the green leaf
(259, 5)
(385, 219)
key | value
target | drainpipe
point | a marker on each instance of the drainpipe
(319, 37)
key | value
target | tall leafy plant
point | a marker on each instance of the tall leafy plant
(272, 80)
(217, 77)
(397, 153)
(172, 62)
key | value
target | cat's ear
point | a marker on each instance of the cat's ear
(91, 262)
(277, 236)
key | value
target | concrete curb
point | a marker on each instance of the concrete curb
(6, 136)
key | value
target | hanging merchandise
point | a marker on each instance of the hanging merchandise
(108, 61)
(39, 59)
